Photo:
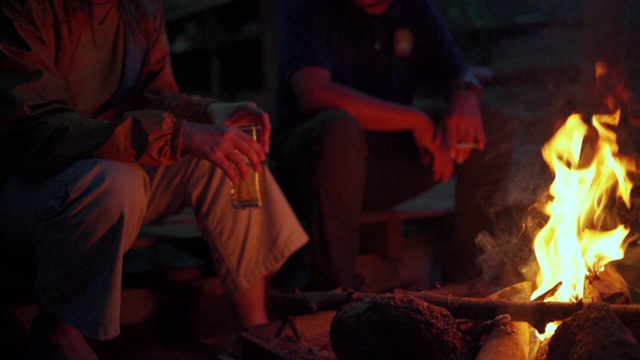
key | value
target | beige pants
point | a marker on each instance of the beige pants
(81, 222)
(246, 245)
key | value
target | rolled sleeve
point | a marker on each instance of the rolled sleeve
(146, 137)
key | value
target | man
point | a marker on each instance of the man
(346, 138)
(96, 140)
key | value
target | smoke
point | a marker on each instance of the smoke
(508, 255)
(506, 252)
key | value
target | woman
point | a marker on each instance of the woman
(96, 140)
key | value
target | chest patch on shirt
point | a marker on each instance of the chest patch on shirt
(403, 42)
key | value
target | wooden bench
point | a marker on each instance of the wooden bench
(163, 253)
(394, 221)
(434, 203)
(171, 251)
(180, 233)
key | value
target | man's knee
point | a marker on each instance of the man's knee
(339, 129)
(332, 137)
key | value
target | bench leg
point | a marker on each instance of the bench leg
(394, 244)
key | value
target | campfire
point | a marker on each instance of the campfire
(575, 305)
(583, 232)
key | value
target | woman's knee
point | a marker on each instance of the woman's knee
(121, 187)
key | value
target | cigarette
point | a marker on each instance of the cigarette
(467, 145)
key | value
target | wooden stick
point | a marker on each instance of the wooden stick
(549, 292)
(538, 314)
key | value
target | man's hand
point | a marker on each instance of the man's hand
(424, 132)
(432, 148)
(244, 112)
(442, 164)
(464, 125)
(223, 145)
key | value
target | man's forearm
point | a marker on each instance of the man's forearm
(372, 113)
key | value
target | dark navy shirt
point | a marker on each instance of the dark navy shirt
(386, 56)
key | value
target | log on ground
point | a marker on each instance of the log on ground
(509, 340)
(396, 327)
(593, 333)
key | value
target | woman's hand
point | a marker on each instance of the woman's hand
(224, 146)
(244, 112)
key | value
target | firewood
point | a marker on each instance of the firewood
(611, 286)
(538, 314)
(629, 315)
(396, 327)
(593, 333)
(509, 340)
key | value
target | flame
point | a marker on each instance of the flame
(582, 234)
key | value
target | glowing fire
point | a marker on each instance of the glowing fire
(582, 234)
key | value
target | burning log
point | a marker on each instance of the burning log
(509, 340)
(593, 333)
(538, 314)
(396, 327)
(610, 286)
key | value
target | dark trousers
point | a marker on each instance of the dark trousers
(331, 171)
